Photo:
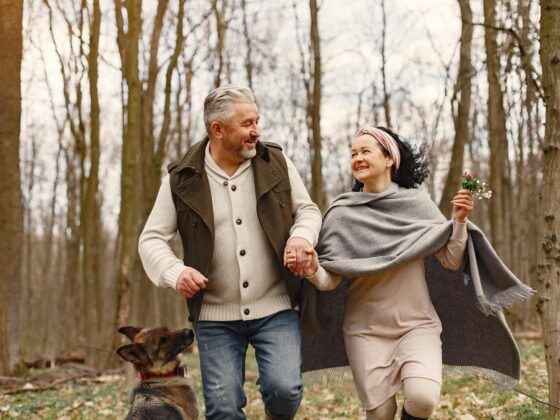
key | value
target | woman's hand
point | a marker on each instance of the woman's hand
(463, 204)
(309, 270)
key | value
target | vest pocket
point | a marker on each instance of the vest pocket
(283, 201)
(189, 226)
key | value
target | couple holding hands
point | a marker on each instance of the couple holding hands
(384, 286)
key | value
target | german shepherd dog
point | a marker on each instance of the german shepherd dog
(164, 392)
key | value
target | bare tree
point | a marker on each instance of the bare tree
(144, 152)
(91, 204)
(74, 151)
(496, 132)
(317, 184)
(461, 100)
(528, 170)
(11, 208)
(549, 258)
(248, 47)
(386, 96)
(219, 9)
(130, 216)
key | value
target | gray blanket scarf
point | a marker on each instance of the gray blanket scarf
(364, 234)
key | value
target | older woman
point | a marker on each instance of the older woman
(377, 237)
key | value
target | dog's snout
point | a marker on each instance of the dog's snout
(187, 337)
(187, 332)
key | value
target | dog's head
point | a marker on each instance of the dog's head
(155, 351)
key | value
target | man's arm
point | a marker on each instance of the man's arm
(159, 261)
(307, 221)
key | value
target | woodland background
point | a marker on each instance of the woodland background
(96, 97)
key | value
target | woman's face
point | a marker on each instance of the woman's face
(368, 161)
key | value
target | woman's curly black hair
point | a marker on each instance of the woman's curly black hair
(413, 169)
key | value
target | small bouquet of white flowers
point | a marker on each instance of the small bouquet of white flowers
(475, 186)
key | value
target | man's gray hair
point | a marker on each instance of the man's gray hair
(218, 105)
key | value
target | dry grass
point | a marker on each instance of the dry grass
(462, 397)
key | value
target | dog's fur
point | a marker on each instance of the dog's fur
(164, 392)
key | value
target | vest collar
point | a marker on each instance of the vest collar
(194, 158)
(195, 191)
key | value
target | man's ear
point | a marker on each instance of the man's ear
(133, 353)
(129, 331)
(216, 129)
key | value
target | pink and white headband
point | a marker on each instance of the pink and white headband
(385, 140)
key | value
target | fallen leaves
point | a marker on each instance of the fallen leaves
(86, 394)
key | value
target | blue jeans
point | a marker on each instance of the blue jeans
(222, 347)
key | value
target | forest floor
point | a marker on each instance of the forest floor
(73, 392)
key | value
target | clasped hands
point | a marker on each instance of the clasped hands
(300, 257)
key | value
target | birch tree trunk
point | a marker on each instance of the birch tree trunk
(11, 208)
(461, 97)
(549, 258)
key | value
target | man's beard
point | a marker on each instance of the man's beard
(247, 154)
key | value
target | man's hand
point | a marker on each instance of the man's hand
(313, 267)
(301, 250)
(190, 282)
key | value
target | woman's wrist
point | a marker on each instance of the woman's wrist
(314, 273)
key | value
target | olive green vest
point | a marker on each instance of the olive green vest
(195, 219)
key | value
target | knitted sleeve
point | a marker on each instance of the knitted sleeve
(324, 280)
(307, 216)
(160, 262)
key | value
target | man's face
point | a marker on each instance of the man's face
(240, 133)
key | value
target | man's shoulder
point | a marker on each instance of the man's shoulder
(173, 165)
(193, 158)
(272, 144)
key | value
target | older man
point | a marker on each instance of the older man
(239, 206)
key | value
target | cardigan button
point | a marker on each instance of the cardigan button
(238, 221)
(226, 183)
(242, 252)
(246, 311)
(233, 187)
(245, 285)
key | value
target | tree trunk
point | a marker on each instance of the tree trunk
(91, 212)
(219, 11)
(11, 208)
(317, 185)
(549, 258)
(496, 132)
(131, 174)
(28, 318)
(75, 156)
(462, 97)
(248, 48)
(386, 96)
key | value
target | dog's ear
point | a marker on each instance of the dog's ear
(130, 332)
(133, 353)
